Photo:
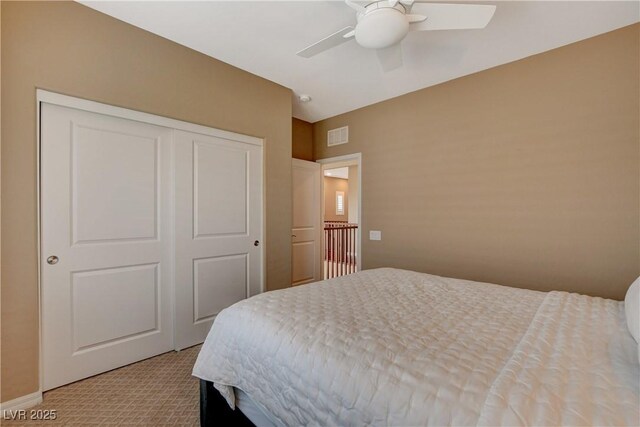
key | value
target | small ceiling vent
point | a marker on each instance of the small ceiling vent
(338, 136)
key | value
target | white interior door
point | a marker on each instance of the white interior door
(218, 229)
(106, 243)
(306, 232)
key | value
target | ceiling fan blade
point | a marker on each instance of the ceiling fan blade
(442, 16)
(355, 6)
(390, 57)
(326, 43)
(415, 18)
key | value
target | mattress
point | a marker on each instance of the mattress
(394, 347)
(251, 410)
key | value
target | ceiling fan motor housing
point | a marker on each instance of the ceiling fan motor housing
(381, 25)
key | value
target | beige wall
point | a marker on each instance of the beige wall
(527, 174)
(301, 140)
(331, 185)
(68, 48)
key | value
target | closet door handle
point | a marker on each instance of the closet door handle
(256, 243)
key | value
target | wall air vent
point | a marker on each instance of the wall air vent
(338, 136)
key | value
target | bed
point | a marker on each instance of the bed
(394, 347)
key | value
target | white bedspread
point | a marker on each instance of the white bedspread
(393, 347)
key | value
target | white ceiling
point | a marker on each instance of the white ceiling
(337, 173)
(262, 37)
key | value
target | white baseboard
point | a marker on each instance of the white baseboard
(23, 402)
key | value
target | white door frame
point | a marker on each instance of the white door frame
(48, 97)
(348, 158)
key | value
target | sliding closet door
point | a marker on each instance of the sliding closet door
(218, 229)
(106, 243)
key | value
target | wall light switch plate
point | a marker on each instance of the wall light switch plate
(375, 235)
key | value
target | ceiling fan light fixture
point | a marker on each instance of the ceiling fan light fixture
(382, 25)
(381, 28)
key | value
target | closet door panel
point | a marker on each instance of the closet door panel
(106, 265)
(218, 229)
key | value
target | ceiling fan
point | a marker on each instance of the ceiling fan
(381, 25)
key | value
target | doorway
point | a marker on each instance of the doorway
(341, 215)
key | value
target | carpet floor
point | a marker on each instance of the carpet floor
(159, 391)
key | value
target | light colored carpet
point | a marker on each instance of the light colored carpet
(155, 392)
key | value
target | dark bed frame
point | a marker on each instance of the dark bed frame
(215, 411)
